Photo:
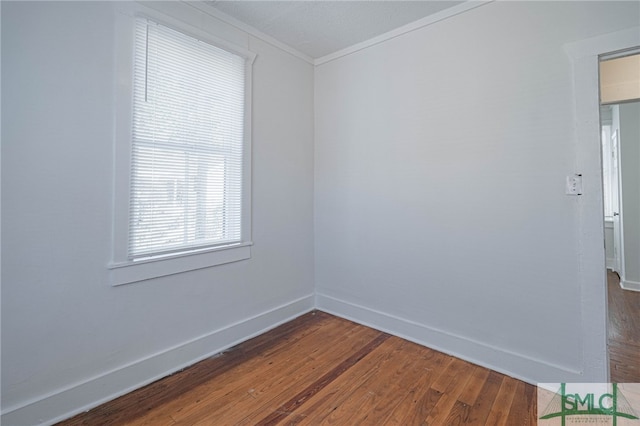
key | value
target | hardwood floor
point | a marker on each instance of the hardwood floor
(320, 369)
(624, 332)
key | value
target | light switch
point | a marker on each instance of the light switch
(574, 185)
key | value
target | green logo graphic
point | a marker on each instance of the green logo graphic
(612, 404)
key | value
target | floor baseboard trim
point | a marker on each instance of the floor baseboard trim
(516, 365)
(65, 403)
(630, 285)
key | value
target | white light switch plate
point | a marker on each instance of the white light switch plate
(574, 185)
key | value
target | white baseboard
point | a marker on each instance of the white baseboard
(516, 365)
(83, 396)
(630, 285)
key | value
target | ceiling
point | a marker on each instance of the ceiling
(320, 28)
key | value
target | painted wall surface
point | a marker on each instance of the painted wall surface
(629, 117)
(64, 328)
(440, 164)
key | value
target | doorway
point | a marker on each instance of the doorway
(619, 84)
(585, 57)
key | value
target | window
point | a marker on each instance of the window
(188, 159)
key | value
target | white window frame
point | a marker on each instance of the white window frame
(121, 269)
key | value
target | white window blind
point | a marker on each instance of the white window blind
(187, 144)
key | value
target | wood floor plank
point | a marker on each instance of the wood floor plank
(458, 415)
(460, 373)
(236, 383)
(499, 413)
(480, 409)
(474, 385)
(623, 332)
(331, 397)
(519, 411)
(624, 311)
(300, 383)
(328, 400)
(255, 393)
(360, 407)
(423, 401)
(396, 389)
(287, 401)
(461, 409)
(292, 404)
(428, 367)
(320, 369)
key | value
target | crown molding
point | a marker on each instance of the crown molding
(210, 10)
(421, 23)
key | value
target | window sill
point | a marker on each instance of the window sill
(130, 272)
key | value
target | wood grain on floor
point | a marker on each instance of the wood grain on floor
(320, 369)
(623, 332)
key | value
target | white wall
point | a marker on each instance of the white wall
(629, 118)
(440, 162)
(69, 339)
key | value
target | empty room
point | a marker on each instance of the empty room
(311, 212)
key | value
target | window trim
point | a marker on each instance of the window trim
(121, 270)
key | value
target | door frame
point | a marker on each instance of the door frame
(618, 227)
(584, 56)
